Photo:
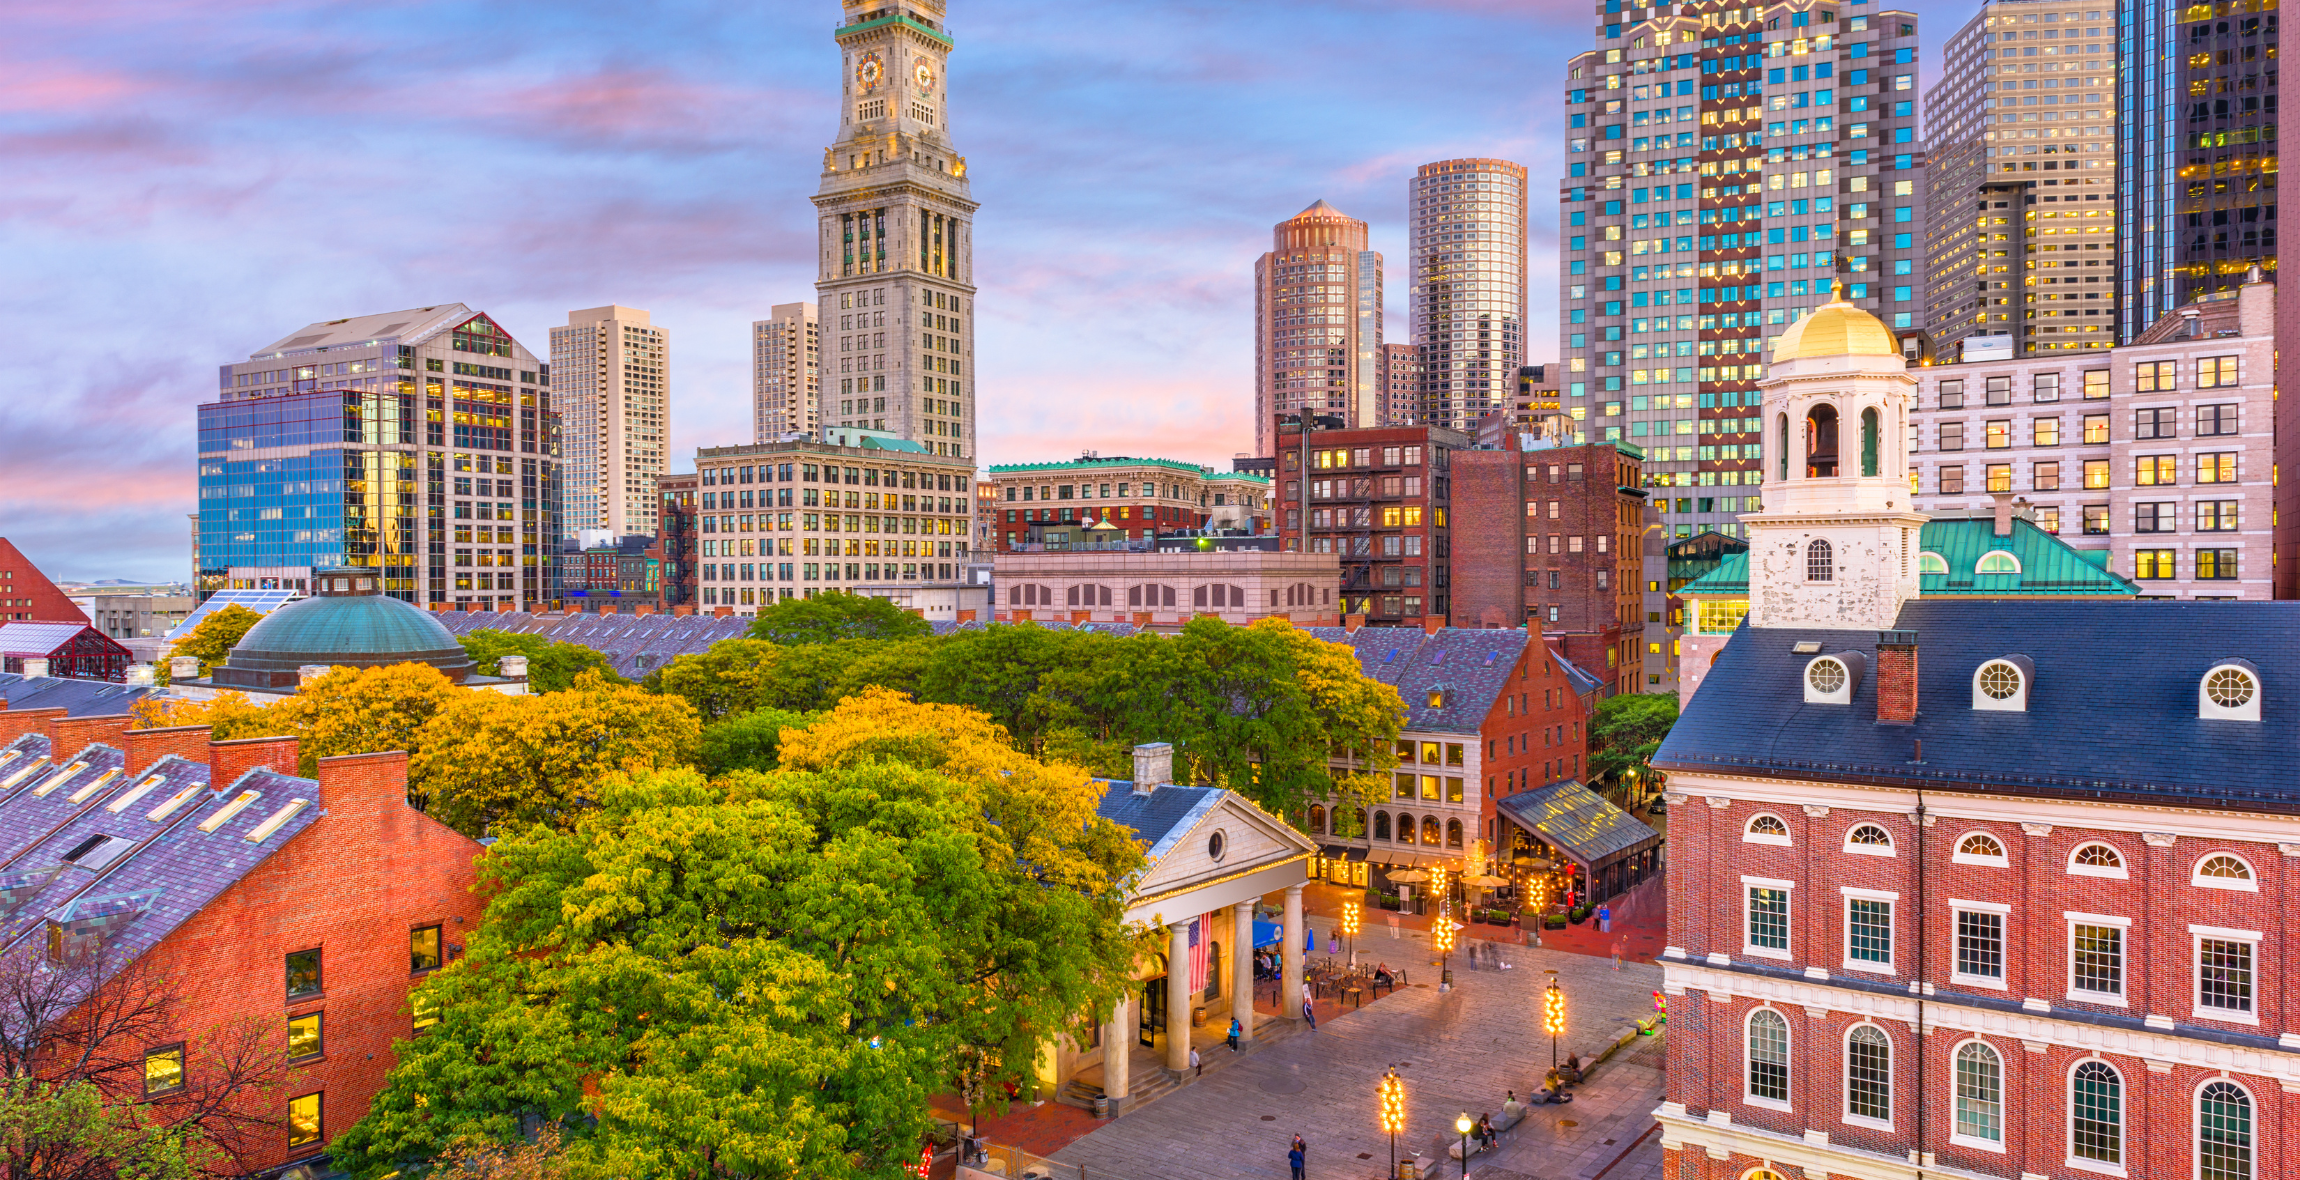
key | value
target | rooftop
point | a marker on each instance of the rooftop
(1577, 819)
(1099, 463)
(1468, 666)
(381, 328)
(2044, 565)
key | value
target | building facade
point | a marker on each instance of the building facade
(1318, 322)
(1467, 219)
(1136, 498)
(786, 372)
(767, 532)
(2199, 204)
(2021, 241)
(26, 594)
(1163, 591)
(384, 442)
(1401, 385)
(611, 373)
(896, 286)
(680, 539)
(1378, 500)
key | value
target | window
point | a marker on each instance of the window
(2155, 423)
(303, 974)
(1766, 829)
(1997, 434)
(303, 1037)
(1997, 562)
(423, 949)
(2096, 959)
(2096, 860)
(2158, 517)
(2044, 432)
(2096, 429)
(1981, 945)
(2152, 564)
(2216, 467)
(1869, 840)
(1997, 477)
(1820, 562)
(2158, 470)
(2095, 384)
(2222, 871)
(1932, 563)
(2229, 692)
(1769, 921)
(163, 1070)
(2216, 516)
(1869, 1074)
(1768, 1056)
(1868, 932)
(2096, 1113)
(1980, 1096)
(1980, 848)
(2154, 377)
(1997, 391)
(304, 1120)
(2219, 419)
(1952, 481)
(2215, 372)
(2046, 387)
(1952, 395)
(425, 1008)
(2223, 1132)
(2224, 974)
(2215, 565)
(1952, 436)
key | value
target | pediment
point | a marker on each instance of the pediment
(1251, 839)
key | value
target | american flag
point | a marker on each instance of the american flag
(1197, 954)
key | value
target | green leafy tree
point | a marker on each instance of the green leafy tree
(769, 975)
(835, 615)
(1624, 734)
(749, 741)
(1000, 670)
(551, 666)
(215, 636)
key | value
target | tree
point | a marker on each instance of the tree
(488, 761)
(366, 710)
(748, 741)
(768, 975)
(471, 1157)
(551, 665)
(835, 615)
(230, 715)
(1000, 669)
(742, 675)
(1624, 734)
(216, 636)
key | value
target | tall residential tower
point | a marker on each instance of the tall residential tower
(1317, 323)
(1468, 224)
(611, 376)
(786, 372)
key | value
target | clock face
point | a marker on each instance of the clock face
(869, 72)
(925, 75)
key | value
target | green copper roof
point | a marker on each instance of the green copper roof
(2049, 566)
(905, 19)
(354, 629)
(1245, 476)
(1092, 464)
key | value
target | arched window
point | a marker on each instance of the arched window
(1406, 829)
(2096, 1113)
(1997, 561)
(1980, 848)
(1453, 833)
(2230, 691)
(1929, 562)
(1821, 441)
(1980, 1093)
(2223, 1132)
(1782, 452)
(1869, 1074)
(1766, 829)
(1869, 433)
(1430, 830)
(1381, 825)
(1317, 819)
(2223, 871)
(1870, 840)
(1768, 1056)
(1820, 562)
(2096, 860)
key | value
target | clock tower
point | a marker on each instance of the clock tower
(896, 238)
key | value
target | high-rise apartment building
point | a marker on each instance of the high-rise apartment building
(319, 453)
(786, 372)
(2197, 149)
(896, 285)
(1401, 385)
(1723, 167)
(1317, 322)
(611, 386)
(2021, 182)
(1467, 221)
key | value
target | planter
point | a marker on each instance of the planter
(1553, 922)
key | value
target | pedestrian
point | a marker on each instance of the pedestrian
(1294, 1160)
(1310, 1014)
(1235, 1032)
(1617, 954)
(1305, 993)
(1198, 1067)
(1605, 919)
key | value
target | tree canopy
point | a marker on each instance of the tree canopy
(551, 665)
(835, 615)
(215, 636)
(1625, 733)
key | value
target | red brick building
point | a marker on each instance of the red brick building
(309, 905)
(26, 594)
(1379, 500)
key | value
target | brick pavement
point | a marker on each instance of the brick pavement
(1458, 1051)
(1640, 924)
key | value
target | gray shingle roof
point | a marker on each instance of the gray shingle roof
(1577, 819)
(1471, 665)
(78, 698)
(1161, 816)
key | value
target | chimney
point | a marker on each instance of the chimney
(646, 608)
(2004, 512)
(966, 616)
(17, 722)
(227, 761)
(183, 668)
(512, 667)
(1896, 677)
(73, 734)
(1153, 766)
(1351, 623)
(147, 746)
(35, 668)
(361, 787)
(1432, 624)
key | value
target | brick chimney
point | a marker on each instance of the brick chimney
(18, 722)
(147, 746)
(74, 734)
(1153, 766)
(1351, 623)
(2004, 512)
(1432, 624)
(1896, 677)
(227, 761)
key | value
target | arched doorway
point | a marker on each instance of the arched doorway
(1821, 442)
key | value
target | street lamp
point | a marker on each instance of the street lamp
(1350, 928)
(1463, 1125)
(1393, 1112)
(1553, 1015)
(1441, 938)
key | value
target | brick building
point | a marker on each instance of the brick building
(26, 594)
(678, 538)
(1139, 497)
(312, 906)
(1378, 500)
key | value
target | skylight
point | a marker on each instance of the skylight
(161, 813)
(225, 813)
(81, 795)
(134, 793)
(278, 819)
(24, 772)
(69, 773)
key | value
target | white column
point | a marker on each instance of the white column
(1118, 1049)
(1178, 996)
(1242, 971)
(1290, 954)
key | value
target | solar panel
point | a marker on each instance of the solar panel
(263, 602)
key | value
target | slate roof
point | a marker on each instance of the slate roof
(1470, 664)
(1577, 819)
(1160, 817)
(78, 698)
(633, 644)
(2112, 714)
(1583, 683)
(2049, 565)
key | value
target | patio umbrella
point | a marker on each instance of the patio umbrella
(1487, 882)
(1410, 876)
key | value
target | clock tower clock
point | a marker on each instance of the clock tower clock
(896, 240)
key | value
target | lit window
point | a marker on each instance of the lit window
(423, 949)
(1980, 848)
(1766, 829)
(1870, 840)
(303, 1037)
(163, 1070)
(304, 1120)
(2222, 871)
(2096, 860)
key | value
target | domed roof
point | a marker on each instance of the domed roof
(1836, 328)
(362, 630)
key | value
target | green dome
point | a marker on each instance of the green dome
(361, 631)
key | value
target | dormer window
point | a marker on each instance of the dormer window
(1929, 562)
(1766, 829)
(1997, 561)
(2230, 691)
(1437, 698)
(2001, 685)
(1831, 679)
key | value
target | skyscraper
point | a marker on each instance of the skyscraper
(1467, 221)
(2021, 181)
(786, 372)
(1317, 322)
(611, 381)
(2197, 149)
(1401, 385)
(896, 289)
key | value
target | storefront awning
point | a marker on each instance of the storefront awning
(1268, 934)
(1575, 819)
(1341, 852)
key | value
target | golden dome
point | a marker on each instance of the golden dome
(1836, 328)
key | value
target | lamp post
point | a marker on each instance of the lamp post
(1393, 1112)
(1553, 1015)
(1463, 1125)
(1350, 928)
(1441, 940)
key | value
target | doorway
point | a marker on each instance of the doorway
(1153, 1012)
(1213, 970)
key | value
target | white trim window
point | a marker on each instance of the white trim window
(1766, 828)
(1869, 840)
(1869, 1077)
(1979, 933)
(1767, 1078)
(2095, 859)
(2224, 870)
(2227, 974)
(1980, 848)
(2223, 1131)
(1765, 931)
(2096, 1117)
(2096, 966)
(1980, 1087)
(1869, 929)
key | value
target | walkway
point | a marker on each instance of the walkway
(1640, 923)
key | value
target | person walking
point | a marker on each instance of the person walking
(1294, 1160)
(1605, 919)
(1198, 1067)
(1235, 1032)
(1310, 1014)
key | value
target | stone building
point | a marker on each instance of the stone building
(1162, 590)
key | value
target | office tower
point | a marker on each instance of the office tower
(1468, 314)
(1317, 322)
(1401, 385)
(897, 278)
(2021, 183)
(2197, 150)
(786, 372)
(318, 453)
(611, 373)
